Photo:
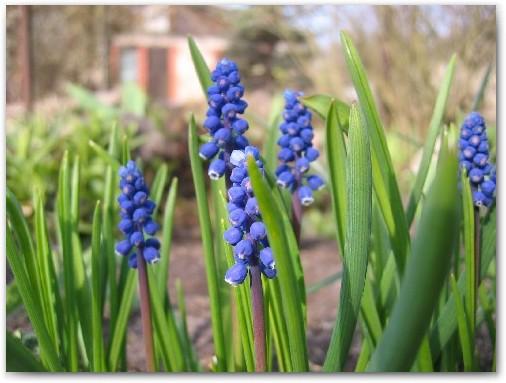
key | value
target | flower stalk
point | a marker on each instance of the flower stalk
(147, 329)
(296, 216)
(257, 303)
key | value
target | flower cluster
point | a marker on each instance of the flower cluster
(247, 235)
(136, 223)
(222, 122)
(297, 151)
(474, 157)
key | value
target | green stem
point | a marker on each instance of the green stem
(144, 298)
(257, 303)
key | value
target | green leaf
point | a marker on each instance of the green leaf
(446, 324)
(470, 256)
(463, 326)
(434, 131)
(18, 358)
(158, 185)
(336, 158)
(190, 354)
(324, 282)
(270, 146)
(243, 308)
(370, 313)
(168, 223)
(278, 324)
(425, 273)
(80, 280)
(98, 354)
(201, 67)
(165, 328)
(20, 226)
(356, 245)
(207, 242)
(48, 351)
(478, 98)
(424, 361)
(289, 284)
(109, 259)
(45, 265)
(119, 330)
(384, 181)
(320, 103)
(218, 190)
(65, 228)
(107, 157)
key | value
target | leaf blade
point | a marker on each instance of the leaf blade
(356, 246)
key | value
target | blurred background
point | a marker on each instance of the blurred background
(74, 71)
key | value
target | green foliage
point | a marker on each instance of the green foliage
(356, 244)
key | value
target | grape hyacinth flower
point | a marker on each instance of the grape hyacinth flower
(136, 223)
(138, 228)
(223, 122)
(297, 151)
(474, 158)
(247, 234)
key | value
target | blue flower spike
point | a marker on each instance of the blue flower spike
(136, 222)
(474, 159)
(223, 122)
(296, 150)
(248, 234)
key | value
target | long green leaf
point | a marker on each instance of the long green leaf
(324, 282)
(356, 245)
(320, 103)
(463, 326)
(200, 65)
(243, 307)
(425, 272)
(190, 354)
(65, 227)
(434, 131)
(108, 259)
(370, 314)
(48, 351)
(165, 328)
(271, 213)
(469, 230)
(478, 98)
(119, 330)
(24, 239)
(18, 358)
(270, 144)
(207, 242)
(384, 181)
(218, 191)
(80, 280)
(168, 222)
(106, 156)
(336, 158)
(158, 185)
(45, 264)
(98, 355)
